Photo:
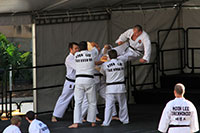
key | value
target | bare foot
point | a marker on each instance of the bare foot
(83, 120)
(53, 119)
(115, 118)
(93, 125)
(104, 125)
(75, 125)
(98, 119)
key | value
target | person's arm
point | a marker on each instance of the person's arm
(164, 120)
(98, 68)
(102, 70)
(70, 62)
(95, 52)
(124, 37)
(194, 125)
(147, 50)
(105, 49)
(98, 62)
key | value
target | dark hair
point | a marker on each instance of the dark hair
(71, 44)
(30, 115)
(179, 88)
(112, 54)
(83, 45)
(138, 27)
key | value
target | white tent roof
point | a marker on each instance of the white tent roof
(19, 6)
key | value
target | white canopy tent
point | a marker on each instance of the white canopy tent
(58, 22)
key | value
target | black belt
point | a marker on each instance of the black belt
(136, 49)
(98, 74)
(71, 80)
(115, 83)
(179, 126)
(84, 75)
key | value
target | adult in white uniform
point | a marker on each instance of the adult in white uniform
(14, 127)
(68, 89)
(100, 85)
(139, 45)
(179, 115)
(36, 126)
(84, 84)
(115, 89)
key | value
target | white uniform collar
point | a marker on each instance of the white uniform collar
(83, 50)
(181, 98)
(71, 54)
(113, 59)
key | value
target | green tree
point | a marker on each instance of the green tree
(10, 55)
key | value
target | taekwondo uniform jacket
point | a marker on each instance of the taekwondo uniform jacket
(12, 129)
(37, 126)
(70, 69)
(180, 116)
(86, 69)
(114, 71)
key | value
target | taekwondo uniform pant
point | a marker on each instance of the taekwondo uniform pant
(64, 99)
(80, 91)
(129, 55)
(101, 91)
(123, 110)
(125, 53)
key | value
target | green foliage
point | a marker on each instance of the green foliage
(10, 54)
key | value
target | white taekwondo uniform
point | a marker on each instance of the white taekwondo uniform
(37, 126)
(115, 90)
(140, 47)
(84, 84)
(12, 129)
(68, 89)
(100, 86)
(180, 116)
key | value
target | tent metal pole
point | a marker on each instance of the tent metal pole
(34, 69)
(172, 24)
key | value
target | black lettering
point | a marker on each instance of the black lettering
(186, 108)
(77, 60)
(44, 128)
(181, 113)
(109, 70)
(176, 108)
(79, 55)
(40, 124)
(88, 55)
(111, 64)
(119, 64)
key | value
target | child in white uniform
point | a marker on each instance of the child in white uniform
(14, 127)
(36, 126)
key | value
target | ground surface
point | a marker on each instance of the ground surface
(144, 118)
